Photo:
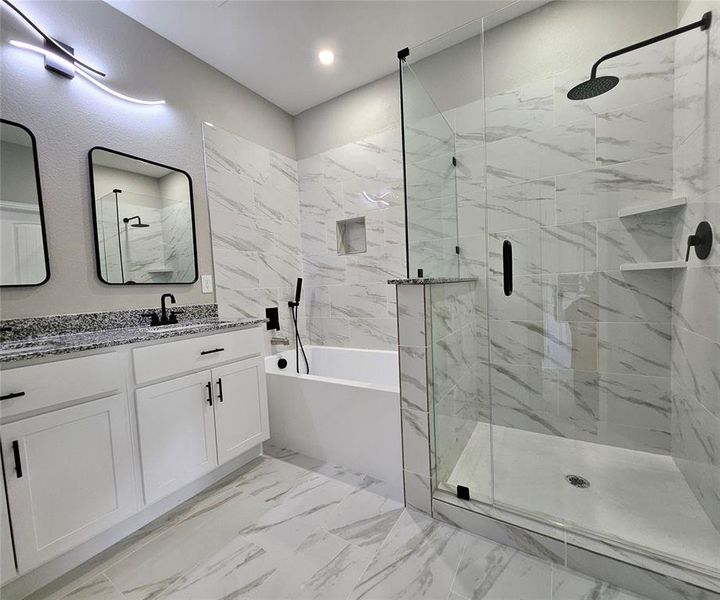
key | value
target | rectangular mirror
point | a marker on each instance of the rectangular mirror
(144, 220)
(23, 245)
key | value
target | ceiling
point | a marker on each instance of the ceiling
(271, 46)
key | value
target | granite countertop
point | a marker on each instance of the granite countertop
(430, 280)
(66, 343)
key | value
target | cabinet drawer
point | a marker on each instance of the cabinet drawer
(175, 358)
(53, 383)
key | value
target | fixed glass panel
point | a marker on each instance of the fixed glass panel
(23, 250)
(432, 227)
(144, 223)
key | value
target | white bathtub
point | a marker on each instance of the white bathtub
(346, 412)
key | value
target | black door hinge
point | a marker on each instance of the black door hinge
(463, 492)
(457, 249)
(454, 162)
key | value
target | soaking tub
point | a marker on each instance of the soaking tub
(346, 412)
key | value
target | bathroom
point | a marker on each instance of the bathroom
(288, 314)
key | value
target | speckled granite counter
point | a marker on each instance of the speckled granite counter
(25, 339)
(430, 280)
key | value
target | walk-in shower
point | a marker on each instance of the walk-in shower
(579, 395)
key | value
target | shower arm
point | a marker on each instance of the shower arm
(703, 24)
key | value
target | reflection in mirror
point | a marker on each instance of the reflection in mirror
(23, 248)
(144, 224)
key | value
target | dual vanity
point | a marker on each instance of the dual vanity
(108, 423)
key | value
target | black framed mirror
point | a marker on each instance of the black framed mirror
(23, 241)
(144, 220)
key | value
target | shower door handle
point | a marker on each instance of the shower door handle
(507, 267)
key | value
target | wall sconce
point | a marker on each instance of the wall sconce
(60, 59)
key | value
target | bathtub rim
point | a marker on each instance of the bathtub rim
(348, 382)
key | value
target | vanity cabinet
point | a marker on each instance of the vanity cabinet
(90, 441)
(7, 558)
(69, 476)
(241, 408)
(189, 425)
(176, 432)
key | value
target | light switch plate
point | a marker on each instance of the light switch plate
(207, 284)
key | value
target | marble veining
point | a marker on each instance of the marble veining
(292, 528)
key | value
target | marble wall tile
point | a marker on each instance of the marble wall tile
(411, 315)
(635, 132)
(569, 248)
(541, 154)
(696, 366)
(418, 492)
(696, 449)
(415, 442)
(599, 193)
(366, 301)
(236, 155)
(328, 331)
(634, 348)
(378, 334)
(519, 111)
(469, 125)
(413, 378)
(637, 239)
(614, 296)
(522, 206)
(700, 317)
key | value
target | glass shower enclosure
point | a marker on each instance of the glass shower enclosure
(575, 375)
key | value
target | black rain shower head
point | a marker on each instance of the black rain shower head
(138, 224)
(599, 85)
(593, 87)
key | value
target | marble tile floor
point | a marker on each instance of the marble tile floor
(294, 528)
(637, 497)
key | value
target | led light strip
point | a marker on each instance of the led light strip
(67, 64)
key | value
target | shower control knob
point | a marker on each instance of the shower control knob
(702, 240)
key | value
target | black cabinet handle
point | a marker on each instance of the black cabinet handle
(507, 268)
(12, 395)
(16, 456)
(220, 393)
(208, 385)
(204, 352)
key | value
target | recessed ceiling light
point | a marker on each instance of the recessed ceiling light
(326, 57)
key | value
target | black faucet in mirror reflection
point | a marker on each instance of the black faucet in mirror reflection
(165, 318)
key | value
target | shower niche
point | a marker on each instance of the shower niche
(144, 220)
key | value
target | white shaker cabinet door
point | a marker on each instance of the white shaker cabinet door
(241, 410)
(69, 476)
(7, 559)
(176, 433)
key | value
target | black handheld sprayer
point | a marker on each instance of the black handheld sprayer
(298, 342)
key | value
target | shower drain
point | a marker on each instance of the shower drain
(577, 481)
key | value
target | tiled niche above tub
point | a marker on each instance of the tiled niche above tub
(351, 236)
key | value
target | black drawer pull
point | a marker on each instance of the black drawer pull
(220, 393)
(507, 268)
(13, 395)
(16, 456)
(208, 385)
(204, 352)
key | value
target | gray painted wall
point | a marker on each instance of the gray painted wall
(70, 117)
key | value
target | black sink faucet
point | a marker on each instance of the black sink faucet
(164, 319)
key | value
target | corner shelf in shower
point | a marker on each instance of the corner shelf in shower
(654, 266)
(648, 208)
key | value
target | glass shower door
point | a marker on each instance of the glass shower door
(432, 225)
